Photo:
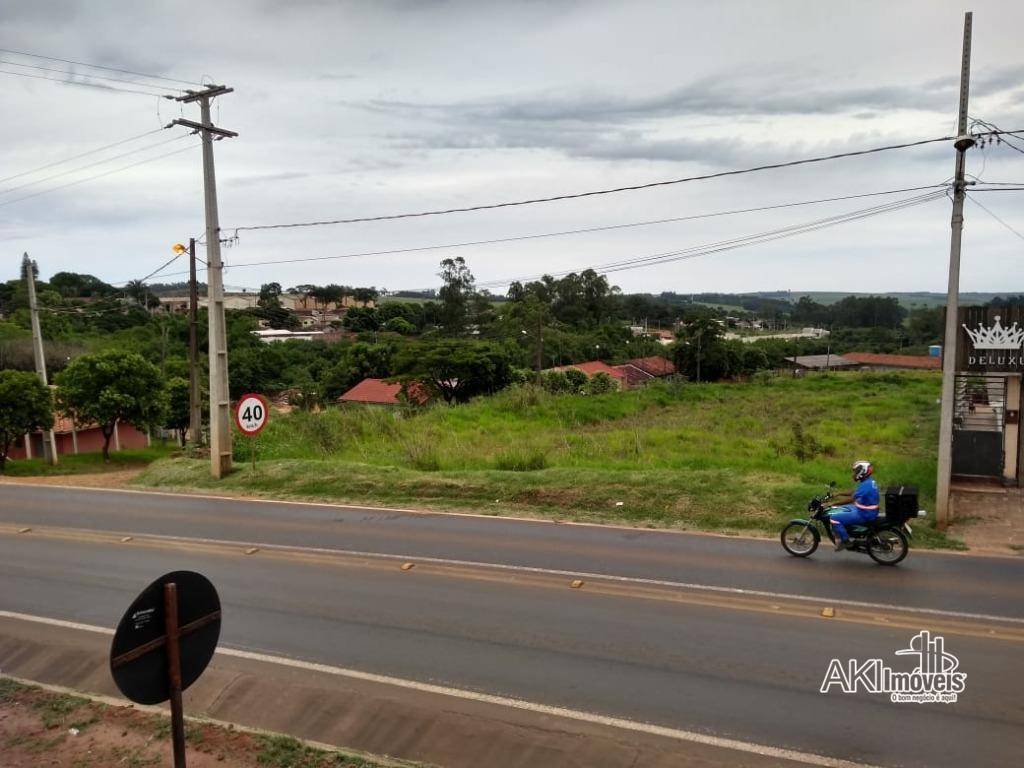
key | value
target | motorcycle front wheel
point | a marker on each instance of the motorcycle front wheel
(800, 539)
(888, 546)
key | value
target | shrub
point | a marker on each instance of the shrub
(600, 383)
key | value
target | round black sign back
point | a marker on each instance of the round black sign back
(138, 655)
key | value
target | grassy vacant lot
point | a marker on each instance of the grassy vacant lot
(727, 457)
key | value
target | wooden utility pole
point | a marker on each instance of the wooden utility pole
(49, 441)
(195, 406)
(962, 144)
(220, 398)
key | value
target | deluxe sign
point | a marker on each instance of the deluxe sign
(251, 414)
(991, 339)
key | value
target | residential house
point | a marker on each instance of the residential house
(71, 438)
(381, 392)
(878, 362)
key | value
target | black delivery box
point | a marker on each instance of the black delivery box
(900, 503)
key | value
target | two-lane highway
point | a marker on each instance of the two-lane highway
(934, 581)
(745, 667)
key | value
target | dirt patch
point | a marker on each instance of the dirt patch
(39, 727)
(989, 519)
(117, 478)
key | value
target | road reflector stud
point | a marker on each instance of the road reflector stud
(252, 550)
(24, 530)
(125, 539)
(828, 612)
(576, 583)
(408, 566)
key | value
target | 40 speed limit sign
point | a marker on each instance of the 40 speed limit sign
(251, 414)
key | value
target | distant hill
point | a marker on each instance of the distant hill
(910, 299)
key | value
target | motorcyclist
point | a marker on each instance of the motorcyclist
(858, 507)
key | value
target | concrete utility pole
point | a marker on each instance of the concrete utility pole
(220, 399)
(49, 441)
(963, 143)
(195, 407)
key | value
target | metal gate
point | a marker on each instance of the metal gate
(979, 420)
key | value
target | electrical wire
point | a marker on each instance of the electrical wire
(994, 216)
(98, 86)
(93, 164)
(726, 245)
(84, 154)
(1003, 138)
(158, 90)
(520, 238)
(100, 66)
(99, 175)
(614, 190)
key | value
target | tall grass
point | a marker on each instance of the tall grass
(707, 455)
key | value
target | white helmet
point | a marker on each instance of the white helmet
(862, 470)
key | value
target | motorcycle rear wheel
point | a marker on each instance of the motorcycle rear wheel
(888, 546)
(800, 539)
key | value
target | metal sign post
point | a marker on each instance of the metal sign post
(164, 642)
(251, 414)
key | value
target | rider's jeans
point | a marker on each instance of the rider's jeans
(850, 514)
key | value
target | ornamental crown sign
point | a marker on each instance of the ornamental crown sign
(996, 337)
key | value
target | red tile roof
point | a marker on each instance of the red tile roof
(654, 365)
(895, 361)
(634, 375)
(594, 366)
(381, 392)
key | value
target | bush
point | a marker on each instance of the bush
(601, 383)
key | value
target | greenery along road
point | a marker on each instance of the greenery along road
(733, 457)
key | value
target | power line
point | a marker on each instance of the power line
(1003, 138)
(726, 245)
(92, 165)
(84, 154)
(614, 190)
(158, 90)
(99, 86)
(99, 175)
(994, 216)
(585, 230)
(100, 66)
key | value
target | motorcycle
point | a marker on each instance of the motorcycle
(885, 540)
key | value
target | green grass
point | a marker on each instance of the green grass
(85, 463)
(725, 457)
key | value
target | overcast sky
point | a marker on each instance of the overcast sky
(373, 108)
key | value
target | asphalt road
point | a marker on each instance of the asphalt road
(935, 581)
(751, 674)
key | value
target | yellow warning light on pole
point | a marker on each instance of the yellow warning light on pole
(178, 248)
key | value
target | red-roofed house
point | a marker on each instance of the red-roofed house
(381, 392)
(634, 376)
(887, 362)
(595, 366)
(654, 365)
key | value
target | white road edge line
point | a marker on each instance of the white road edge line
(779, 753)
(737, 591)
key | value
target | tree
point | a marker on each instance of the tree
(109, 387)
(25, 407)
(270, 295)
(455, 370)
(178, 406)
(455, 295)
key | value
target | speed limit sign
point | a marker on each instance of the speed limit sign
(251, 414)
